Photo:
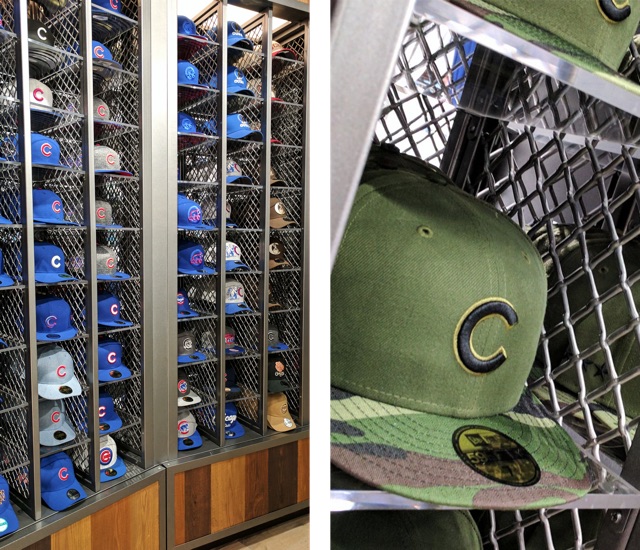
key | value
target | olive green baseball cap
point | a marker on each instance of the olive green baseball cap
(607, 257)
(437, 304)
(592, 34)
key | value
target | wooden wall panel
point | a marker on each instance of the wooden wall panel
(228, 482)
(44, 544)
(303, 470)
(178, 504)
(257, 485)
(283, 476)
(197, 508)
(77, 535)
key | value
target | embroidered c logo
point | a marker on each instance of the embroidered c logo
(468, 358)
(614, 11)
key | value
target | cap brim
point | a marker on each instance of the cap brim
(276, 181)
(50, 391)
(116, 172)
(48, 439)
(191, 399)
(230, 309)
(411, 453)
(118, 323)
(58, 500)
(5, 221)
(112, 423)
(241, 91)
(278, 264)
(243, 43)
(112, 226)
(235, 265)
(199, 227)
(117, 276)
(252, 135)
(56, 336)
(187, 313)
(192, 442)
(54, 222)
(277, 423)
(53, 277)
(235, 431)
(102, 65)
(192, 357)
(285, 53)
(280, 346)
(235, 350)
(236, 179)
(110, 374)
(118, 469)
(5, 280)
(206, 270)
(9, 516)
(279, 223)
(277, 386)
(232, 392)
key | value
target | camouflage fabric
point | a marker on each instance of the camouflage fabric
(410, 453)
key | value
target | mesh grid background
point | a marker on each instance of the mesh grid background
(14, 464)
(543, 179)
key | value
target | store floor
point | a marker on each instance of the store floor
(292, 534)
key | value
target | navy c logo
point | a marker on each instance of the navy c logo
(614, 11)
(468, 358)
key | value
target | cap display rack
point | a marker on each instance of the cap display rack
(203, 163)
(546, 148)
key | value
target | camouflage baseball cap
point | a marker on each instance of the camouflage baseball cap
(437, 305)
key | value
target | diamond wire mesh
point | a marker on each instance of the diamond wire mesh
(292, 200)
(13, 390)
(297, 44)
(123, 196)
(126, 245)
(124, 46)
(68, 186)
(285, 287)
(123, 102)
(130, 296)
(14, 461)
(127, 147)
(288, 125)
(10, 242)
(11, 317)
(287, 166)
(8, 82)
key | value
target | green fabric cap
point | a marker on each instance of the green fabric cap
(602, 29)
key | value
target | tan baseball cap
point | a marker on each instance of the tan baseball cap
(279, 217)
(278, 417)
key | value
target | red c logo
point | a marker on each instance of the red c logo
(55, 417)
(101, 213)
(111, 158)
(45, 149)
(61, 371)
(102, 111)
(114, 4)
(38, 94)
(98, 51)
(63, 474)
(111, 263)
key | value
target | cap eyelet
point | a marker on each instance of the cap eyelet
(425, 231)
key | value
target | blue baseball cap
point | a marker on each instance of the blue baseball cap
(111, 465)
(236, 36)
(236, 82)
(109, 311)
(238, 128)
(186, 26)
(103, 62)
(8, 518)
(190, 215)
(184, 311)
(47, 208)
(49, 263)
(59, 487)
(53, 320)
(186, 124)
(5, 280)
(232, 428)
(188, 436)
(110, 367)
(189, 74)
(191, 259)
(109, 419)
(45, 151)
(187, 352)
(110, 5)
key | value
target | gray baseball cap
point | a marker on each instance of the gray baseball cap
(187, 349)
(107, 265)
(186, 395)
(56, 378)
(40, 96)
(107, 161)
(104, 215)
(54, 427)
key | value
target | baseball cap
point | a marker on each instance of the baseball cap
(187, 352)
(273, 338)
(234, 298)
(40, 96)
(107, 265)
(43, 58)
(229, 221)
(48, 208)
(232, 428)
(186, 26)
(104, 215)
(191, 259)
(189, 74)
(107, 161)
(109, 311)
(56, 376)
(278, 50)
(110, 367)
(238, 128)
(188, 436)
(109, 419)
(231, 348)
(102, 113)
(432, 408)
(231, 388)
(111, 465)
(52, 6)
(103, 62)
(233, 255)
(54, 427)
(236, 37)
(53, 319)
(278, 417)
(45, 151)
(276, 255)
(273, 302)
(190, 215)
(278, 215)
(276, 376)
(184, 311)
(234, 173)
(5, 280)
(186, 395)
(49, 263)
(59, 487)
(407, 529)
(274, 179)
(624, 352)
(110, 5)
(8, 519)
(237, 82)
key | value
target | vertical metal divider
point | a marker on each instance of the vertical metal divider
(221, 222)
(159, 242)
(306, 287)
(26, 208)
(265, 166)
(91, 316)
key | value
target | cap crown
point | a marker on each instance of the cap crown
(186, 26)
(47, 206)
(186, 123)
(186, 424)
(55, 366)
(53, 314)
(111, 5)
(109, 353)
(100, 51)
(437, 299)
(188, 73)
(56, 472)
(234, 292)
(105, 158)
(186, 343)
(40, 94)
(104, 213)
(106, 260)
(101, 110)
(48, 258)
(44, 150)
(108, 452)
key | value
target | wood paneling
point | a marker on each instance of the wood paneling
(228, 481)
(303, 470)
(178, 506)
(44, 544)
(283, 476)
(77, 535)
(257, 485)
(197, 507)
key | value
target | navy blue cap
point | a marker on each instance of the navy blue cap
(231, 388)
(190, 215)
(238, 128)
(111, 5)
(184, 311)
(109, 311)
(186, 26)
(108, 417)
(191, 259)
(59, 487)
(49, 264)
(232, 428)
(53, 320)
